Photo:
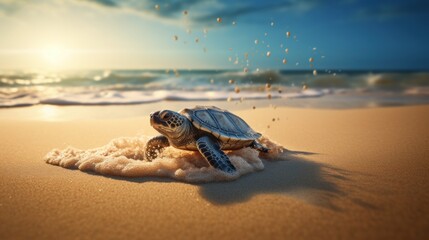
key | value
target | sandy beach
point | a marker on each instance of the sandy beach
(355, 174)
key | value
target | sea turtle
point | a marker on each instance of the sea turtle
(206, 129)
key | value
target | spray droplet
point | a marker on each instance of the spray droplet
(257, 70)
(304, 87)
(185, 12)
(281, 45)
(157, 7)
(237, 90)
(284, 61)
(314, 49)
(268, 54)
(219, 20)
(297, 63)
(254, 107)
(175, 38)
(205, 31)
(231, 81)
(311, 59)
(256, 41)
(274, 119)
(287, 50)
(230, 59)
(233, 23)
(197, 40)
(229, 99)
(268, 86)
(269, 96)
(315, 72)
(280, 91)
(268, 126)
(212, 81)
(272, 24)
(288, 34)
(245, 70)
(265, 34)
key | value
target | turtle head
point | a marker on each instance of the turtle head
(168, 123)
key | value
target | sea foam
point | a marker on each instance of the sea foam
(125, 157)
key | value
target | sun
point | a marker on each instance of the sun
(55, 56)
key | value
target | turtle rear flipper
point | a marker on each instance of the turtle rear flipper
(210, 149)
(258, 146)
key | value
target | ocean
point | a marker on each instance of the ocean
(118, 87)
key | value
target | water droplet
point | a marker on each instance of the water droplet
(304, 87)
(265, 34)
(268, 86)
(311, 59)
(229, 99)
(256, 41)
(272, 24)
(280, 91)
(288, 34)
(268, 126)
(274, 119)
(231, 81)
(175, 38)
(185, 12)
(219, 20)
(246, 70)
(315, 72)
(205, 31)
(237, 90)
(268, 54)
(233, 23)
(314, 49)
(230, 59)
(197, 40)
(284, 61)
(157, 7)
(287, 50)
(281, 45)
(212, 81)
(254, 107)
(257, 70)
(269, 96)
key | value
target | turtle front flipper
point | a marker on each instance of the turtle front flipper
(210, 149)
(154, 146)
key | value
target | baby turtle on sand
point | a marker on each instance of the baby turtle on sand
(208, 130)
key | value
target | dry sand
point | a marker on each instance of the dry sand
(359, 174)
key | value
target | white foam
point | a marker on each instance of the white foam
(125, 157)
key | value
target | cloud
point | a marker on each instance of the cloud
(203, 11)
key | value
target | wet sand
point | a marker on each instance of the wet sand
(353, 174)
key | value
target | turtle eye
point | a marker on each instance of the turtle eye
(165, 115)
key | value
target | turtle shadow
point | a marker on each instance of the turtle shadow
(295, 177)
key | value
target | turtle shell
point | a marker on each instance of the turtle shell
(220, 123)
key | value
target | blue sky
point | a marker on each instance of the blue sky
(109, 34)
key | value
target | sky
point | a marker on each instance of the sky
(214, 34)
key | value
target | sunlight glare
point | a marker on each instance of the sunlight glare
(55, 56)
